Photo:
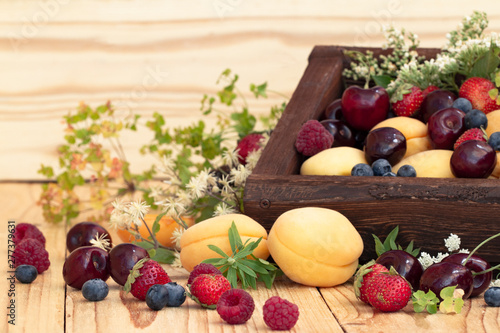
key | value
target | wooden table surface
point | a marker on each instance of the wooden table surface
(48, 305)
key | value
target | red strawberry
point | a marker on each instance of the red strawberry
(248, 144)
(428, 90)
(388, 292)
(363, 276)
(144, 274)
(206, 289)
(407, 102)
(476, 90)
(471, 134)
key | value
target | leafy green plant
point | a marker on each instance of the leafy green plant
(390, 244)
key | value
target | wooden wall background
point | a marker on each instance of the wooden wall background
(163, 55)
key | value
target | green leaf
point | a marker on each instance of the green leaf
(425, 301)
(486, 64)
(379, 246)
(259, 90)
(231, 276)
(217, 250)
(234, 237)
(156, 224)
(163, 256)
(247, 270)
(382, 80)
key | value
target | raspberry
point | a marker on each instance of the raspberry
(235, 306)
(313, 138)
(280, 314)
(202, 269)
(31, 252)
(248, 144)
(26, 230)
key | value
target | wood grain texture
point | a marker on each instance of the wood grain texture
(163, 55)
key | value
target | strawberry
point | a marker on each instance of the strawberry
(206, 289)
(428, 90)
(407, 101)
(476, 90)
(363, 276)
(144, 274)
(471, 134)
(248, 144)
(388, 291)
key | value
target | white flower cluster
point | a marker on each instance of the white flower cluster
(126, 215)
(452, 243)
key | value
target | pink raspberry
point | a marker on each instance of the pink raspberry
(31, 252)
(202, 269)
(313, 138)
(235, 306)
(248, 144)
(280, 314)
(27, 230)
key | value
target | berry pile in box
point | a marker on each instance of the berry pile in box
(406, 115)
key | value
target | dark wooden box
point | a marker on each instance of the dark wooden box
(427, 210)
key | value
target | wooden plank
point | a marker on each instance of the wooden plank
(40, 305)
(356, 316)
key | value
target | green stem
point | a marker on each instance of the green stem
(477, 247)
(156, 244)
(486, 270)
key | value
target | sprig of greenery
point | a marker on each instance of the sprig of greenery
(390, 244)
(451, 301)
(238, 267)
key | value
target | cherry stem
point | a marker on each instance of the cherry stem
(477, 247)
(486, 270)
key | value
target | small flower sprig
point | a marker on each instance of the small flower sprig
(452, 244)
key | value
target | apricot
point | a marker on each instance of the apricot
(493, 122)
(414, 131)
(315, 246)
(214, 231)
(337, 161)
(164, 236)
(430, 163)
(496, 172)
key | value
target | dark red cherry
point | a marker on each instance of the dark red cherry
(85, 263)
(476, 264)
(364, 108)
(447, 274)
(404, 263)
(445, 127)
(122, 259)
(342, 134)
(473, 159)
(434, 101)
(333, 110)
(82, 233)
(386, 143)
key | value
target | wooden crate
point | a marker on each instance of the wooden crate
(426, 209)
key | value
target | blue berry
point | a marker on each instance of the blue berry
(95, 290)
(462, 104)
(157, 297)
(407, 171)
(492, 296)
(26, 273)
(494, 140)
(475, 119)
(381, 166)
(361, 169)
(176, 294)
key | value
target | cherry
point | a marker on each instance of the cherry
(404, 263)
(434, 101)
(445, 126)
(364, 108)
(82, 233)
(447, 274)
(85, 263)
(475, 264)
(333, 110)
(385, 143)
(473, 159)
(122, 259)
(342, 134)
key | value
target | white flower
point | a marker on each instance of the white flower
(223, 209)
(138, 209)
(173, 207)
(252, 158)
(440, 256)
(119, 220)
(176, 236)
(177, 261)
(230, 157)
(495, 283)
(452, 243)
(463, 251)
(240, 175)
(101, 241)
(118, 205)
(197, 186)
(425, 259)
(167, 164)
(156, 192)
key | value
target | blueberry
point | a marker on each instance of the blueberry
(475, 119)
(407, 171)
(95, 290)
(176, 294)
(462, 104)
(492, 296)
(381, 166)
(157, 297)
(26, 273)
(389, 174)
(494, 141)
(361, 169)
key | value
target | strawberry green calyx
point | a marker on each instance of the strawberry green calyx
(358, 277)
(134, 274)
